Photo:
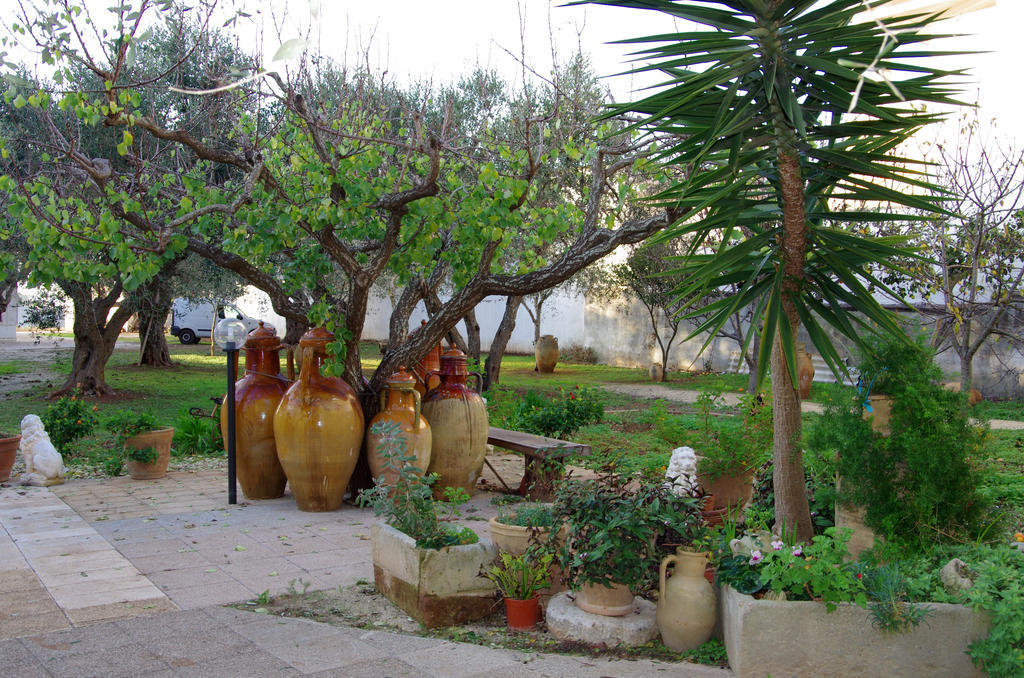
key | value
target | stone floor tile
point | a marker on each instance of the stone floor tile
(267, 631)
(134, 592)
(50, 646)
(189, 578)
(458, 660)
(128, 660)
(252, 664)
(121, 610)
(28, 624)
(15, 653)
(155, 547)
(186, 559)
(321, 654)
(388, 667)
(211, 594)
(18, 580)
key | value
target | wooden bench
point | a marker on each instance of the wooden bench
(538, 479)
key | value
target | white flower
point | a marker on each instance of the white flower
(778, 544)
(756, 557)
(797, 551)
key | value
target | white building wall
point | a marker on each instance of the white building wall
(9, 321)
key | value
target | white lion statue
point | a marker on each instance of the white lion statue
(681, 474)
(43, 463)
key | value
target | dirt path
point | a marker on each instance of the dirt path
(654, 391)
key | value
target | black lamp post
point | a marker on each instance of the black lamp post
(229, 334)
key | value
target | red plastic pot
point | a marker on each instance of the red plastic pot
(522, 614)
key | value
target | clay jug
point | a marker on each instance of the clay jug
(430, 363)
(804, 371)
(319, 429)
(458, 426)
(402, 407)
(686, 604)
(257, 395)
(546, 353)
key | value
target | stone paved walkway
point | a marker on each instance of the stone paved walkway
(116, 577)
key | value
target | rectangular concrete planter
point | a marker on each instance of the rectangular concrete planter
(801, 638)
(437, 587)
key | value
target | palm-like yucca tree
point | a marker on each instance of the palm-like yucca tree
(787, 114)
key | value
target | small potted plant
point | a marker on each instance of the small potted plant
(729, 454)
(421, 562)
(138, 441)
(8, 454)
(520, 579)
(613, 523)
(512, 531)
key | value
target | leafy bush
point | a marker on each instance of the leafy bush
(918, 484)
(407, 504)
(519, 577)
(557, 417)
(197, 436)
(46, 310)
(528, 515)
(730, 446)
(613, 522)
(68, 419)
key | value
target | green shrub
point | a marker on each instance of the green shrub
(919, 484)
(528, 515)
(197, 436)
(576, 353)
(67, 420)
(557, 417)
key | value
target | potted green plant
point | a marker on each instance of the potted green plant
(139, 442)
(613, 523)
(8, 454)
(730, 451)
(520, 578)
(514, 529)
(422, 563)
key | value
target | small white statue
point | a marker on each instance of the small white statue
(43, 464)
(681, 474)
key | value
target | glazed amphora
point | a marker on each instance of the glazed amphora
(545, 352)
(400, 404)
(458, 426)
(318, 428)
(686, 604)
(431, 363)
(257, 396)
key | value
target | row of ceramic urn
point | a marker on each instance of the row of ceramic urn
(308, 433)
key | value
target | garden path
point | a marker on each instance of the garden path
(116, 577)
(657, 391)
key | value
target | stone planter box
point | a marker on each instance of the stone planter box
(800, 638)
(436, 587)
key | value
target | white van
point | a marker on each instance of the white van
(193, 320)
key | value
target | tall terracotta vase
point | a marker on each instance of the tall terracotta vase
(804, 371)
(318, 428)
(402, 408)
(458, 425)
(546, 353)
(430, 363)
(160, 440)
(257, 396)
(686, 604)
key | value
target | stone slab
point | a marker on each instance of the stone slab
(800, 638)
(565, 621)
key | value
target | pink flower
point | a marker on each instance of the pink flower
(756, 557)
(797, 551)
(778, 544)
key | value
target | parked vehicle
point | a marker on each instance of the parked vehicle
(194, 320)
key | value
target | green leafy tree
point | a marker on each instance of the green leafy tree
(788, 113)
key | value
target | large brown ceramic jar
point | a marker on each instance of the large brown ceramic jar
(257, 395)
(402, 407)
(458, 425)
(546, 353)
(319, 429)
(430, 363)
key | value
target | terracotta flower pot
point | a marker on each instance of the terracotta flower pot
(522, 615)
(8, 453)
(159, 440)
(615, 601)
